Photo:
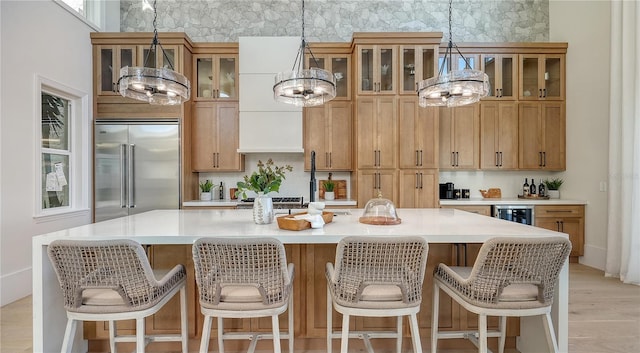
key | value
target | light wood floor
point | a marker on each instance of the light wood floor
(604, 316)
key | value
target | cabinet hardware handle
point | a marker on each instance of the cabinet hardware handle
(421, 158)
(501, 93)
(501, 159)
(417, 159)
(420, 180)
(497, 160)
(544, 159)
(544, 91)
(457, 160)
(123, 176)
(540, 94)
(132, 176)
(213, 159)
(113, 87)
(558, 225)
(417, 184)
(558, 211)
(330, 159)
(453, 159)
(540, 159)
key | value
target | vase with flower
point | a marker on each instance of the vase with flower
(266, 179)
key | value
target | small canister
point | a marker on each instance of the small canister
(466, 193)
(456, 193)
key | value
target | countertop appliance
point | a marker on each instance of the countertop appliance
(516, 213)
(137, 167)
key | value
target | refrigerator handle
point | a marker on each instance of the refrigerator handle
(131, 176)
(123, 176)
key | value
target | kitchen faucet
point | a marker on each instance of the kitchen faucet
(312, 182)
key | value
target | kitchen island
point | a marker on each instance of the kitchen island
(308, 249)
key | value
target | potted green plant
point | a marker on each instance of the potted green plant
(266, 179)
(205, 190)
(553, 187)
(329, 194)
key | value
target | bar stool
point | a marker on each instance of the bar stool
(510, 277)
(376, 277)
(243, 278)
(111, 280)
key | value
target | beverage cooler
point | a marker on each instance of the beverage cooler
(515, 213)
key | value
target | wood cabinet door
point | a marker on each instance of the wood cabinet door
(314, 126)
(460, 137)
(418, 138)
(542, 136)
(553, 136)
(376, 132)
(215, 137)
(328, 131)
(498, 135)
(109, 59)
(371, 182)
(339, 136)
(417, 188)
(566, 219)
(228, 137)
(502, 72)
(376, 69)
(529, 144)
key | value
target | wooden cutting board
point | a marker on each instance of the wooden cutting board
(340, 189)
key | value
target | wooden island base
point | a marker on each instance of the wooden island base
(309, 306)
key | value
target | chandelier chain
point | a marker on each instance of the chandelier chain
(156, 42)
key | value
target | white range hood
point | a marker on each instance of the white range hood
(266, 125)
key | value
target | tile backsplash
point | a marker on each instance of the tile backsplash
(295, 184)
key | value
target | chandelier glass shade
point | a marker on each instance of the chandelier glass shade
(162, 86)
(304, 87)
(455, 87)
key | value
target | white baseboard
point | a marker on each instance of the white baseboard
(595, 257)
(16, 285)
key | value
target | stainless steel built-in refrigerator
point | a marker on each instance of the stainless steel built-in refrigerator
(137, 167)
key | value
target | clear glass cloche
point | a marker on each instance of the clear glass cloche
(380, 211)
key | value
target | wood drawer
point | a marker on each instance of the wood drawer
(559, 211)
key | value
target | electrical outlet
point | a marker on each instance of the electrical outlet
(603, 186)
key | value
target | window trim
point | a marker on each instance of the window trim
(78, 149)
(95, 5)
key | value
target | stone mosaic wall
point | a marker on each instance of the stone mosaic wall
(336, 20)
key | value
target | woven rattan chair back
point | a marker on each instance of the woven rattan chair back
(120, 265)
(505, 261)
(259, 262)
(363, 261)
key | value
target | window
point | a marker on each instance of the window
(94, 12)
(62, 159)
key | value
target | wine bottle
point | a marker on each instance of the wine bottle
(542, 192)
(532, 188)
(525, 188)
(221, 191)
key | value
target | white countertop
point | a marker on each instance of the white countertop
(509, 201)
(439, 225)
(233, 203)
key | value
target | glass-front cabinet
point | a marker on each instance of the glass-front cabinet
(502, 72)
(170, 59)
(216, 76)
(542, 77)
(377, 69)
(417, 63)
(110, 58)
(340, 66)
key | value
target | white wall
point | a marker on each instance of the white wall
(37, 37)
(585, 25)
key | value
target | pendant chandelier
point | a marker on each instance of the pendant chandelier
(456, 87)
(154, 85)
(304, 87)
